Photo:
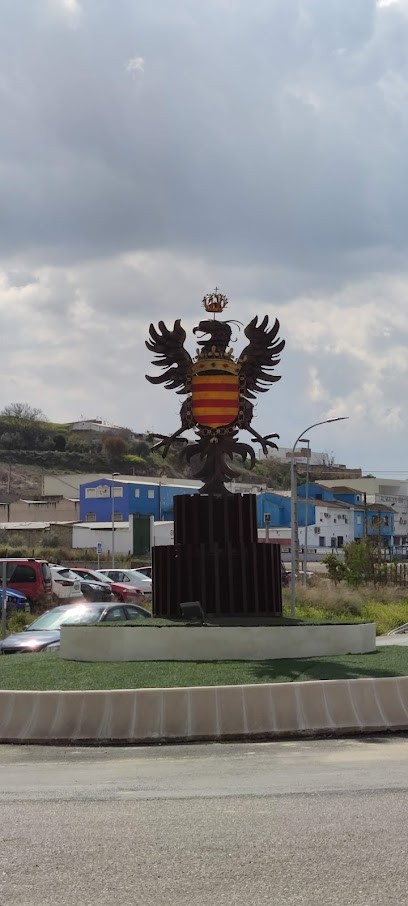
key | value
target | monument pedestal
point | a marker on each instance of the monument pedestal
(217, 560)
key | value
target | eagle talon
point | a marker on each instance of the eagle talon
(167, 441)
(264, 441)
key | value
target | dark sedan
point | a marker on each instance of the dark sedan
(44, 634)
(91, 589)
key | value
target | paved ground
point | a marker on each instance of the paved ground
(289, 824)
(393, 639)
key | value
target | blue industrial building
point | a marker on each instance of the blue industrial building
(156, 498)
(135, 497)
(278, 507)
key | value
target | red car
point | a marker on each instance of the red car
(121, 591)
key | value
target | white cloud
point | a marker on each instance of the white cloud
(136, 64)
(317, 392)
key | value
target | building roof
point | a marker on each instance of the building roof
(47, 502)
(143, 479)
(327, 504)
(379, 508)
(30, 525)
(106, 526)
(343, 489)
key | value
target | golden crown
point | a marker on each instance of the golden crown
(206, 364)
(215, 302)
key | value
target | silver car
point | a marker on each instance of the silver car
(44, 634)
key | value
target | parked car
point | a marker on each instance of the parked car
(14, 600)
(65, 588)
(130, 576)
(92, 589)
(29, 576)
(120, 590)
(44, 634)
(145, 570)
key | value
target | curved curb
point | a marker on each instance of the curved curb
(148, 716)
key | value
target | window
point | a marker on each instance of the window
(90, 492)
(358, 520)
(46, 572)
(133, 613)
(322, 541)
(137, 492)
(117, 492)
(319, 496)
(118, 576)
(115, 615)
(150, 494)
(118, 517)
(90, 517)
(21, 573)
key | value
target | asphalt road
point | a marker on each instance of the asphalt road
(288, 824)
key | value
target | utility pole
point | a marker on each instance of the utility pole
(365, 516)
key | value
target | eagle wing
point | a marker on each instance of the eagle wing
(168, 346)
(260, 356)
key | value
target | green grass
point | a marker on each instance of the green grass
(386, 607)
(48, 671)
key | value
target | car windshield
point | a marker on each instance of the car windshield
(55, 618)
(101, 577)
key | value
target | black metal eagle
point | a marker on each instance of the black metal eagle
(218, 389)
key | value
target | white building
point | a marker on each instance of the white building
(387, 491)
(333, 527)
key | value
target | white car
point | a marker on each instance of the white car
(145, 570)
(63, 588)
(130, 576)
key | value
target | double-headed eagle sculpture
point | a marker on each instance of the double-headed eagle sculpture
(218, 388)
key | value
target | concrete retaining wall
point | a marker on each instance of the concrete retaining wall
(210, 643)
(213, 713)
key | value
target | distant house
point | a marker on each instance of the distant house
(89, 427)
(376, 519)
(61, 509)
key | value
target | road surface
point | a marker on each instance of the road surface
(285, 823)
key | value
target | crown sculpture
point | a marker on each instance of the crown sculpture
(219, 388)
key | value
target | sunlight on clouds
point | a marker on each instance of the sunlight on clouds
(136, 64)
(317, 392)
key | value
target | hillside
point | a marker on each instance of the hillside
(19, 481)
(30, 447)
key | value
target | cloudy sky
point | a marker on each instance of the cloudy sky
(150, 151)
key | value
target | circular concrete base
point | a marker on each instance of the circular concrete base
(214, 643)
(205, 713)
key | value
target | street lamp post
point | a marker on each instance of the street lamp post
(114, 474)
(306, 511)
(293, 509)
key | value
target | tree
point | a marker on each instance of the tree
(23, 413)
(360, 565)
(115, 447)
(60, 442)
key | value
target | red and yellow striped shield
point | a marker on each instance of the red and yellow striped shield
(215, 399)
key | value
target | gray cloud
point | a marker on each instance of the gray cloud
(150, 153)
